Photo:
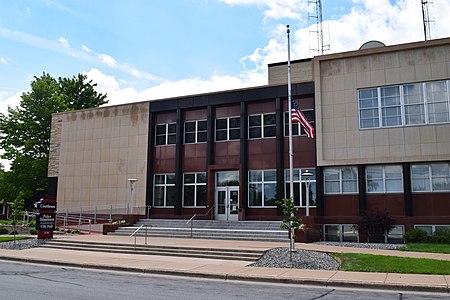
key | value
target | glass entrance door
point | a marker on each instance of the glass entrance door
(227, 203)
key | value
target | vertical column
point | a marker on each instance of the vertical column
(320, 192)
(407, 191)
(280, 147)
(150, 158)
(179, 164)
(210, 136)
(362, 190)
(244, 157)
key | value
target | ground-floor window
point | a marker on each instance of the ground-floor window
(341, 233)
(300, 186)
(396, 235)
(194, 190)
(262, 188)
(164, 193)
(431, 229)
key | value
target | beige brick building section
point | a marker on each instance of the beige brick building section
(94, 153)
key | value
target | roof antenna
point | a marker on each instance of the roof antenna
(426, 20)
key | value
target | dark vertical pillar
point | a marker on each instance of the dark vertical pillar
(362, 190)
(150, 158)
(52, 189)
(179, 164)
(407, 194)
(320, 191)
(210, 137)
(280, 147)
(244, 156)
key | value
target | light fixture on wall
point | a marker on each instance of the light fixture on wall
(132, 182)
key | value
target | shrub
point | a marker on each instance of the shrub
(3, 230)
(33, 231)
(376, 224)
(416, 235)
(14, 232)
(441, 236)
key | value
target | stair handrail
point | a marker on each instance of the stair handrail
(136, 231)
(191, 220)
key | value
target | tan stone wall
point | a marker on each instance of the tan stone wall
(337, 78)
(100, 149)
(301, 71)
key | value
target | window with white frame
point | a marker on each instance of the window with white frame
(300, 183)
(166, 134)
(262, 126)
(384, 179)
(433, 177)
(194, 190)
(228, 129)
(262, 188)
(297, 128)
(341, 180)
(341, 233)
(195, 131)
(407, 104)
(431, 229)
(164, 193)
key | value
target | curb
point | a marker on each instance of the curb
(320, 283)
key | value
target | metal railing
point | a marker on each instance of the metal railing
(136, 231)
(191, 220)
(106, 210)
(78, 220)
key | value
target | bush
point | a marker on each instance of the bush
(441, 236)
(14, 232)
(3, 230)
(33, 231)
(416, 236)
(376, 224)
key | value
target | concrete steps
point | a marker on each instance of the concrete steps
(268, 231)
(211, 253)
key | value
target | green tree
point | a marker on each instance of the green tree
(25, 131)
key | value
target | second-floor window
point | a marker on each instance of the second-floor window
(262, 126)
(342, 180)
(166, 134)
(195, 132)
(433, 177)
(228, 129)
(384, 179)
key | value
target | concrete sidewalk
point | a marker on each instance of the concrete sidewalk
(232, 270)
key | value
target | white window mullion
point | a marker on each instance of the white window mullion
(425, 102)
(402, 106)
(380, 111)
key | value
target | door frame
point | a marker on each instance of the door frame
(227, 216)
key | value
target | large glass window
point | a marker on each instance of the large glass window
(195, 132)
(166, 134)
(408, 104)
(297, 128)
(341, 180)
(433, 177)
(340, 233)
(228, 129)
(262, 188)
(384, 179)
(300, 186)
(164, 193)
(194, 190)
(262, 126)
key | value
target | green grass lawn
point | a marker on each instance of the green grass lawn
(423, 247)
(392, 264)
(11, 238)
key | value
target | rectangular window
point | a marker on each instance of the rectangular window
(408, 104)
(384, 179)
(340, 233)
(433, 177)
(297, 128)
(262, 188)
(228, 129)
(195, 132)
(164, 193)
(300, 184)
(194, 190)
(262, 126)
(343, 180)
(430, 229)
(166, 134)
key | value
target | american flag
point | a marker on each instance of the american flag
(299, 117)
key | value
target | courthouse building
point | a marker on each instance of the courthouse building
(382, 122)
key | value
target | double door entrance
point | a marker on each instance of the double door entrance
(227, 196)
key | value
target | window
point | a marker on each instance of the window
(340, 233)
(166, 134)
(262, 188)
(195, 132)
(384, 179)
(297, 127)
(430, 177)
(341, 180)
(228, 129)
(396, 235)
(300, 187)
(194, 190)
(164, 194)
(408, 104)
(262, 126)
(430, 229)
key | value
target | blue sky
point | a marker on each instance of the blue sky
(139, 50)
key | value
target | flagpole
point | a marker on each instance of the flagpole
(291, 152)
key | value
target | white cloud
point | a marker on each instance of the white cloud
(4, 61)
(64, 42)
(276, 9)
